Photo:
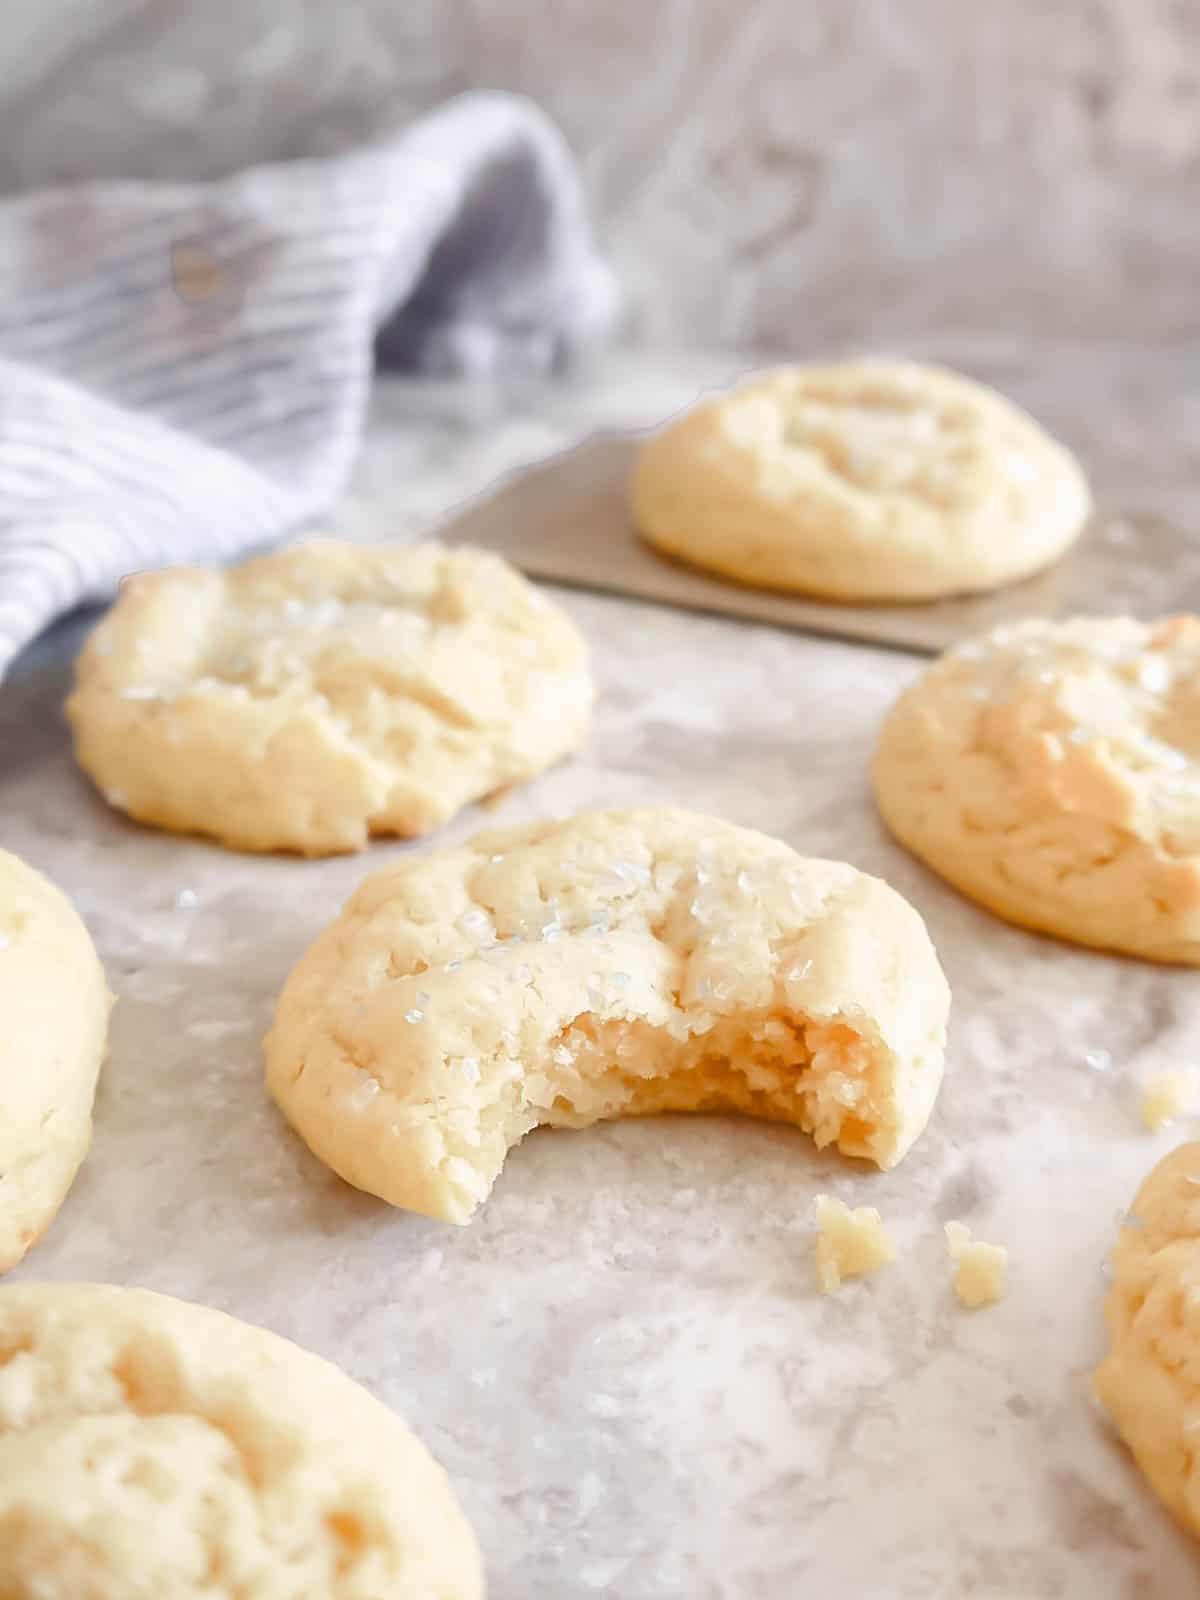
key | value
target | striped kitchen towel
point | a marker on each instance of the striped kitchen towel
(184, 369)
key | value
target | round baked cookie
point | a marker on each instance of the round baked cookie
(1150, 1379)
(615, 964)
(149, 1447)
(54, 1007)
(309, 699)
(874, 480)
(1051, 771)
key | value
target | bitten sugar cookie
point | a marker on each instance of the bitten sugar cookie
(54, 1006)
(309, 699)
(618, 963)
(152, 1447)
(1150, 1380)
(870, 481)
(1051, 771)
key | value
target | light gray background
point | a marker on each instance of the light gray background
(624, 1363)
(768, 172)
(762, 170)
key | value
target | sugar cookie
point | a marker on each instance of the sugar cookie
(153, 1447)
(54, 1004)
(869, 481)
(617, 963)
(1150, 1379)
(1051, 771)
(309, 699)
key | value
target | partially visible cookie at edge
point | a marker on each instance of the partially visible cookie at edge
(54, 1003)
(1150, 1379)
(867, 481)
(612, 964)
(312, 698)
(153, 1447)
(1051, 772)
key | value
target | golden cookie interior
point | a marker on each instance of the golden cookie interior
(617, 963)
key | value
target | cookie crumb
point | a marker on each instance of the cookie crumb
(980, 1269)
(1166, 1097)
(850, 1244)
(579, 1032)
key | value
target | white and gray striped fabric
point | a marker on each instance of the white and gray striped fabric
(184, 370)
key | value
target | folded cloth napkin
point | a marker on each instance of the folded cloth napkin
(184, 369)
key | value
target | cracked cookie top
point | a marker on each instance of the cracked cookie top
(1150, 1379)
(1052, 770)
(151, 1446)
(616, 963)
(871, 480)
(309, 699)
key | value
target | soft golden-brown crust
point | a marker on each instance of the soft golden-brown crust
(1150, 1379)
(870, 481)
(309, 699)
(54, 1007)
(1050, 771)
(153, 1448)
(613, 964)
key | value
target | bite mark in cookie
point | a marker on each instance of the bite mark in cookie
(617, 963)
